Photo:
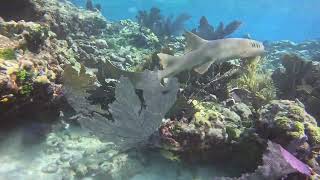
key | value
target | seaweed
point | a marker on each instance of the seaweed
(8, 54)
(132, 118)
(208, 32)
(161, 25)
(257, 82)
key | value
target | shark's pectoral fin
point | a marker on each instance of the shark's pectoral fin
(203, 68)
(167, 60)
(193, 41)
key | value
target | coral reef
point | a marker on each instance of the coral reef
(44, 45)
(306, 50)
(209, 118)
(22, 65)
(224, 116)
(285, 121)
(206, 31)
(214, 133)
(160, 25)
(277, 164)
(23, 10)
(299, 79)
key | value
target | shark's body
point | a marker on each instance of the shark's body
(201, 54)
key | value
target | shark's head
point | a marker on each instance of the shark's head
(249, 48)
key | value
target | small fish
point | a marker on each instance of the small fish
(4, 100)
(201, 54)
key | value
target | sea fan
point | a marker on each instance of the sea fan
(277, 164)
(208, 32)
(161, 25)
(134, 118)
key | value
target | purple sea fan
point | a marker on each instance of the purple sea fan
(295, 163)
(277, 164)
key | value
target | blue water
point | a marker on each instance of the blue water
(295, 20)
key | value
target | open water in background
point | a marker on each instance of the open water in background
(294, 20)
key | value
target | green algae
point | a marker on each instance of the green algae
(7, 54)
(313, 133)
(255, 80)
(22, 75)
(26, 89)
(24, 79)
(206, 112)
(233, 133)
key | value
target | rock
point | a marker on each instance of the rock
(212, 125)
(231, 115)
(65, 157)
(102, 44)
(122, 166)
(53, 140)
(243, 111)
(50, 168)
(285, 122)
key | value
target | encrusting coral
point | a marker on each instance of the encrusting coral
(285, 121)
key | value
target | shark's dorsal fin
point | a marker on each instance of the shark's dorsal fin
(167, 60)
(193, 41)
(203, 68)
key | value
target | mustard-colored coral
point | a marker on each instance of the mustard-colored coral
(294, 130)
(313, 132)
(42, 79)
(205, 113)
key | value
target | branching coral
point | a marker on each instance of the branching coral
(207, 31)
(160, 25)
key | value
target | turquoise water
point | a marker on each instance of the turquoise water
(93, 96)
(295, 20)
